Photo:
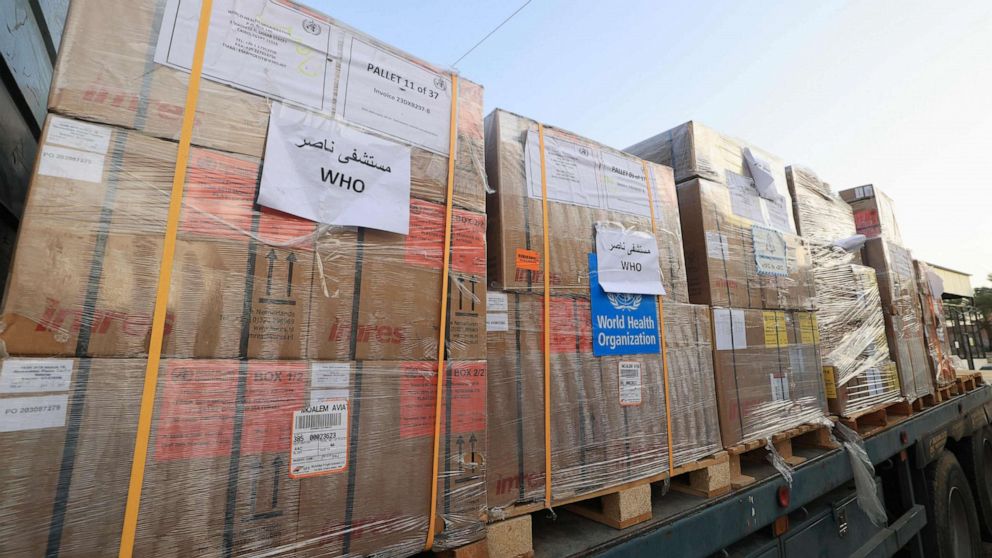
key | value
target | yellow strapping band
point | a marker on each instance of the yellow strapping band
(442, 332)
(547, 322)
(661, 329)
(162, 293)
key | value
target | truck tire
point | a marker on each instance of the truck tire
(952, 522)
(975, 456)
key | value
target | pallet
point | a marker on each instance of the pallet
(968, 381)
(874, 419)
(814, 435)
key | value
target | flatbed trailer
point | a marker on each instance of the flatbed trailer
(917, 477)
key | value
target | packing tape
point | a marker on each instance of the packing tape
(442, 332)
(547, 321)
(162, 293)
(661, 329)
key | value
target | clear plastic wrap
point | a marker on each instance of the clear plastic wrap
(268, 315)
(608, 416)
(874, 213)
(931, 287)
(858, 373)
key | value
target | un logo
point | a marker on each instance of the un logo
(623, 301)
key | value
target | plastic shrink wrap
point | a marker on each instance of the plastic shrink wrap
(931, 289)
(268, 314)
(874, 212)
(609, 419)
(858, 374)
(744, 258)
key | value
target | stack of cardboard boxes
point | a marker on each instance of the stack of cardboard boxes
(874, 216)
(857, 372)
(608, 406)
(268, 313)
(930, 288)
(744, 259)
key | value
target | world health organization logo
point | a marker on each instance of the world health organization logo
(623, 301)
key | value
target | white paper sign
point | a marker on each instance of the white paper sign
(780, 388)
(322, 170)
(730, 329)
(584, 175)
(391, 95)
(78, 135)
(627, 261)
(497, 321)
(761, 172)
(29, 413)
(777, 210)
(71, 163)
(716, 246)
(770, 251)
(630, 382)
(32, 375)
(320, 439)
(329, 374)
(744, 199)
(496, 302)
(261, 46)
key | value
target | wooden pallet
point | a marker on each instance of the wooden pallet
(874, 419)
(619, 506)
(968, 381)
(813, 435)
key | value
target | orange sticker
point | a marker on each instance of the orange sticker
(528, 259)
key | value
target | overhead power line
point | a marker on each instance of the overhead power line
(490, 34)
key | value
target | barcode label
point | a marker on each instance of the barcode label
(320, 439)
(630, 382)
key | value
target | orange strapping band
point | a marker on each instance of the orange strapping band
(442, 332)
(661, 330)
(162, 293)
(547, 323)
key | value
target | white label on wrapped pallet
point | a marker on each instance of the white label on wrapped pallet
(33, 375)
(73, 164)
(627, 261)
(78, 135)
(630, 382)
(771, 255)
(395, 96)
(585, 175)
(716, 246)
(744, 199)
(778, 213)
(780, 388)
(30, 413)
(873, 377)
(260, 46)
(730, 330)
(328, 172)
(321, 396)
(496, 302)
(330, 374)
(497, 321)
(320, 439)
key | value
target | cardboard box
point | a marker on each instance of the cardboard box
(106, 72)
(931, 287)
(588, 183)
(697, 151)
(246, 280)
(220, 453)
(601, 436)
(722, 254)
(874, 212)
(767, 369)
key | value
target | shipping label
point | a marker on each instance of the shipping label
(497, 322)
(716, 246)
(330, 374)
(629, 373)
(31, 413)
(274, 392)
(33, 375)
(497, 302)
(78, 135)
(320, 439)
(195, 413)
(780, 387)
(729, 329)
(622, 324)
(63, 162)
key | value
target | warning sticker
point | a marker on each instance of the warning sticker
(829, 383)
(320, 440)
(776, 334)
(528, 259)
(630, 382)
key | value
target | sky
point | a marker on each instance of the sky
(895, 93)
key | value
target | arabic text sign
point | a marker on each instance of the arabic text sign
(628, 261)
(622, 324)
(324, 171)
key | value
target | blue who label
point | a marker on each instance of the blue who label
(622, 324)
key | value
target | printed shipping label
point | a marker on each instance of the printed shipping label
(497, 321)
(73, 164)
(496, 302)
(627, 261)
(319, 396)
(78, 135)
(630, 383)
(30, 413)
(770, 252)
(584, 175)
(320, 439)
(780, 388)
(622, 324)
(35, 375)
(260, 46)
(730, 329)
(829, 382)
(716, 246)
(386, 93)
(322, 170)
(330, 374)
